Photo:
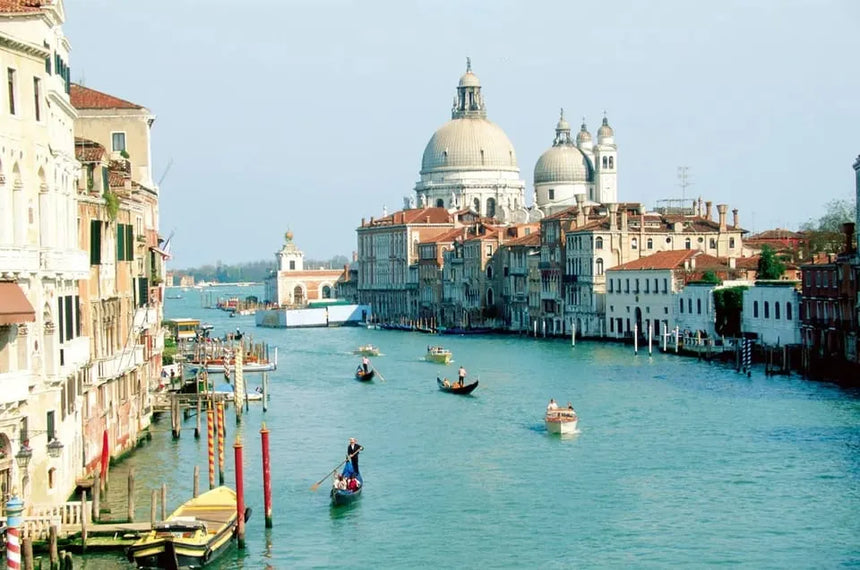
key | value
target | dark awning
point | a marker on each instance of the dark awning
(14, 306)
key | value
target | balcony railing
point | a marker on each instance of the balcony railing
(145, 317)
(74, 262)
(120, 363)
(14, 259)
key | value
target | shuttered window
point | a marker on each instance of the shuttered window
(120, 242)
(95, 242)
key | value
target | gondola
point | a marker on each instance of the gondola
(363, 376)
(340, 497)
(453, 388)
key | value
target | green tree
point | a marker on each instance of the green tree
(770, 266)
(710, 277)
(728, 306)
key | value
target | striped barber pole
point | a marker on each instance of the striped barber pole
(13, 549)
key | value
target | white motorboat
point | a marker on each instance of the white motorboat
(561, 421)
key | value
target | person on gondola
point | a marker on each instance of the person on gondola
(365, 364)
(340, 482)
(461, 375)
(352, 484)
(352, 451)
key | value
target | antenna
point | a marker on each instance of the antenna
(684, 180)
(166, 170)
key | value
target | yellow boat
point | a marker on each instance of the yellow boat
(192, 536)
(367, 350)
(438, 354)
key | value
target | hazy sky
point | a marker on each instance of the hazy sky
(311, 115)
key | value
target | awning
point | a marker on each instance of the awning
(14, 306)
(161, 252)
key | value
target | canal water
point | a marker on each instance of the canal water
(676, 463)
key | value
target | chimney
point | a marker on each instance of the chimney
(580, 213)
(427, 219)
(721, 210)
(693, 262)
(346, 272)
(848, 229)
(733, 263)
(624, 220)
(708, 205)
(735, 219)
(699, 209)
(362, 222)
(613, 211)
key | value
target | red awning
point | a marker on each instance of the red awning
(14, 306)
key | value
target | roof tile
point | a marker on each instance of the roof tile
(86, 98)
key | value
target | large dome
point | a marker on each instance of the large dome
(563, 164)
(469, 144)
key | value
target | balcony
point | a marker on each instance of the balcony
(518, 271)
(75, 263)
(14, 386)
(118, 364)
(75, 354)
(18, 260)
(145, 318)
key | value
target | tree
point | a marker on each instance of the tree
(769, 264)
(710, 277)
(728, 305)
(824, 235)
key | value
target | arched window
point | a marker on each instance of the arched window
(755, 309)
(598, 243)
(599, 265)
(766, 310)
(490, 297)
(605, 162)
(634, 243)
(298, 295)
(326, 292)
(788, 311)
(611, 162)
(491, 207)
(776, 310)
(688, 243)
(477, 203)
(489, 272)
(650, 243)
(440, 203)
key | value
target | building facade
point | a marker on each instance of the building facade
(294, 286)
(771, 312)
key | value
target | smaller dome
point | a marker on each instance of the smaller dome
(469, 79)
(583, 136)
(563, 164)
(605, 131)
(562, 125)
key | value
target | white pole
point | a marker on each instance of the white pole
(635, 339)
(543, 328)
(535, 329)
(649, 339)
(573, 333)
(676, 340)
(665, 334)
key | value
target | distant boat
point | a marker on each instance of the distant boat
(173, 296)
(438, 354)
(465, 330)
(367, 350)
(193, 535)
(455, 388)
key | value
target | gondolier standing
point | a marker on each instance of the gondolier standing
(352, 453)
(461, 374)
(365, 363)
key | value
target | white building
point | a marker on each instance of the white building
(43, 355)
(771, 311)
(469, 161)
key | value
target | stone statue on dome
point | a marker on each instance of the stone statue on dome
(423, 200)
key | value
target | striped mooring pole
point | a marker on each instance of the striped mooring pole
(14, 508)
(220, 412)
(210, 424)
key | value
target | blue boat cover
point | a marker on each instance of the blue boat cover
(348, 471)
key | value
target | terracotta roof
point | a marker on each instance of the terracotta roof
(86, 98)
(531, 240)
(660, 260)
(88, 151)
(21, 6)
(415, 216)
(777, 233)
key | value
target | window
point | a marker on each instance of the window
(551, 193)
(687, 243)
(292, 264)
(755, 309)
(599, 266)
(690, 306)
(647, 286)
(665, 285)
(611, 288)
(489, 251)
(776, 310)
(489, 272)
(766, 310)
(731, 243)
(95, 242)
(611, 162)
(656, 285)
(788, 311)
(699, 306)
(634, 243)
(598, 243)
(650, 243)
(117, 142)
(637, 286)
(605, 162)
(51, 426)
(712, 243)
(37, 97)
(440, 203)
(10, 80)
(626, 285)
(681, 304)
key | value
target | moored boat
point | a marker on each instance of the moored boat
(340, 497)
(438, 354)
(363, 376)
(456, 387)
(367, 350)
(192, 536)
(561, 420)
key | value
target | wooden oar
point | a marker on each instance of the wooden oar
(316, 485)
(378, 373)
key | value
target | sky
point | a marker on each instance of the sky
(309, 116)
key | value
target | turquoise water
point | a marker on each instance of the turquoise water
(677, 463)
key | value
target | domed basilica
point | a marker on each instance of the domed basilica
(470, 163)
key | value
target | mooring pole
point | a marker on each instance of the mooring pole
(210, 424)
(267, 476)
(220, 410)
(196, 480)
(240, 493)
(265, 391)
(130, 495)
(14, 508)
(635, 339)
(573, 333)
(199, 420)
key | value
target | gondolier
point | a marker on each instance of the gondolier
(461, 374)
(352, 451)
(365, 363)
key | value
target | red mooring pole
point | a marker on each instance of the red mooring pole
(267, 476)
(240, 492)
